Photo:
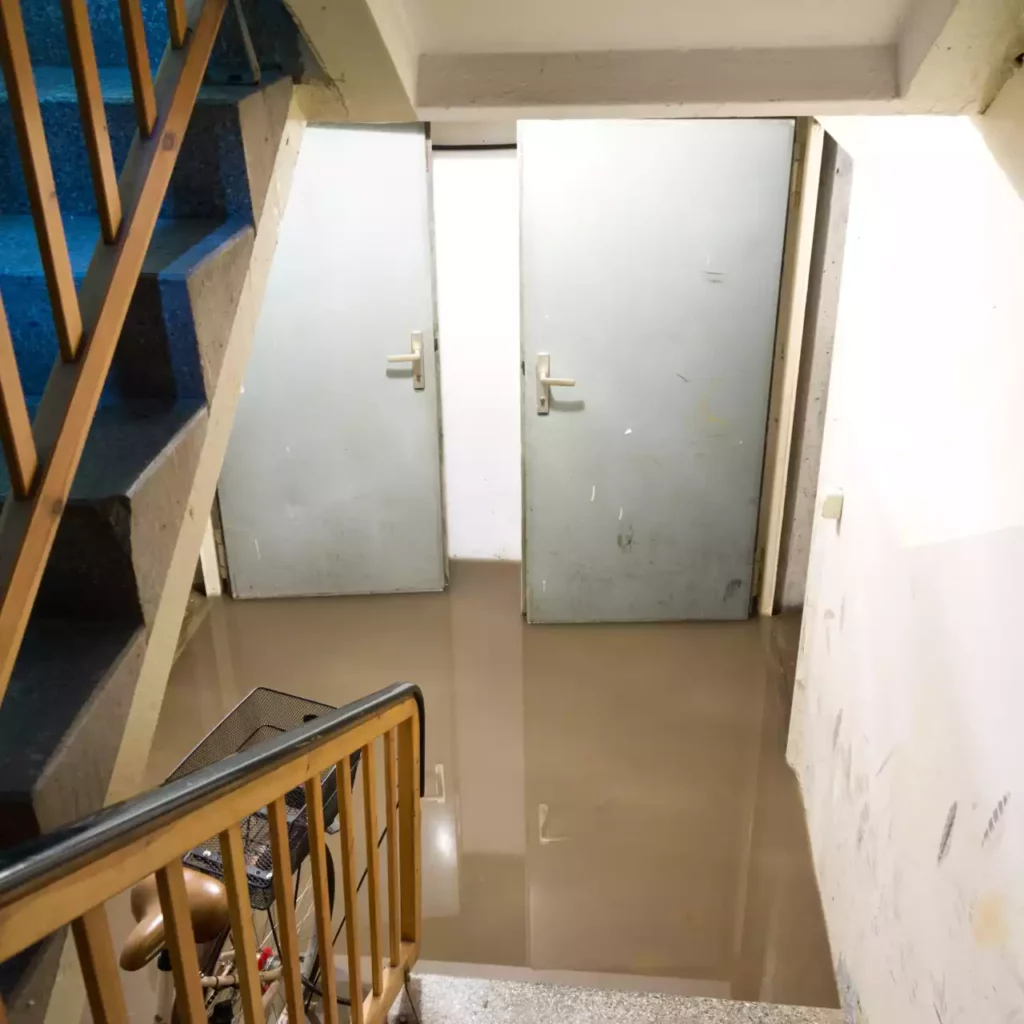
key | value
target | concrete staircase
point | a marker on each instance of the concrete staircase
(443, 999)
(64, 714)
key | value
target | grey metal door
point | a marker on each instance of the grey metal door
(651, 256)
(331, 483)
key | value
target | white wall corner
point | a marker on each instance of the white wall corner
(1002, 128)
(399, 38)
(363, 82)
(919, 28)
(955, 55)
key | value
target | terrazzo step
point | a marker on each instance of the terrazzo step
(116, 536)
(62, 719)
(163, 353)
(209, 178)
(64, 712)
(440, 999)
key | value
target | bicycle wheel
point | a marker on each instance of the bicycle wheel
(224, 1006)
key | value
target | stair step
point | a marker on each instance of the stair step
(116, 536)
(159, 356)
(47, 41)
(65, 709)
(440, 999)
(56, 755)
(209, 179)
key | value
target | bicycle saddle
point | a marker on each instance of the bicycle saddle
(208, 906)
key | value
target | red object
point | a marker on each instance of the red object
(261, 962)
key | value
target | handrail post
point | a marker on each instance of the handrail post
(409, 828)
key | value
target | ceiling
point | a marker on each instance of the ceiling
(501, 26)
(499, 60)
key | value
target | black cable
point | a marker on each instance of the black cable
(316, 963)
(412, 1005)
(359, 884)
(315, 972)
(277, 946)
(341, 1000)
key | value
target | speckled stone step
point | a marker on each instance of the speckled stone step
(440, 999)
(164, 353)
(209, 178)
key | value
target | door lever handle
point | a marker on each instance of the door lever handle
(416, 358)
(545, 383)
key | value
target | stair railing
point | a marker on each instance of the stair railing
(65, 877)
(42, 455)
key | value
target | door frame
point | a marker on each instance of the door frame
(804, 189)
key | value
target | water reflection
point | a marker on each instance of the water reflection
(605, 799)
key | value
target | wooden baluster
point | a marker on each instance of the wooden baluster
(42, 192)
(391, 818)
(372, 866)
(28, 528)
(181, 943)
(177, 22)
(321, 898)
(138, 66)
(277, 814)
(243, 939)
(348, 888)
(409, 817)
(15, 428)
(94, 117)
(99, 966)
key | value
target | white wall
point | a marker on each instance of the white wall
(909, 697)
(476, 231)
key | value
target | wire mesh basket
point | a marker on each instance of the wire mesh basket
(261, 716)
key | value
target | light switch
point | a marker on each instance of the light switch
(832, 508)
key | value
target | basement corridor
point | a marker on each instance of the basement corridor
(607, 799)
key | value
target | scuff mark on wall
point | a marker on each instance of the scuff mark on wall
(862, 824)
(995, 817)
(947, 833)
(849, 998)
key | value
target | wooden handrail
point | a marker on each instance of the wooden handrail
(28, 527)
(66, 878)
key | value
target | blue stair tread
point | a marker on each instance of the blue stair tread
(56, 84)
(19, 251)
(178, 245)
(157, 355)
(123, 443)
(59, 667)
(47, 39)
(210, 176)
